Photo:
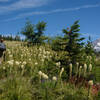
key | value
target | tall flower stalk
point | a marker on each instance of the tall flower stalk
(90, 68)
(89, 88)
(62, 70)
(85, 69)
(80, 70)
(77, 65)
(70, 67)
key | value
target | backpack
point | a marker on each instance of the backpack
(2, 47)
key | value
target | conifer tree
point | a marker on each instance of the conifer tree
(28, 30)
(89, 47)
(34, 33)
(57, 43)
(74, 44)
(39, 37)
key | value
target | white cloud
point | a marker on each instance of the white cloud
(4, 0)
(20, 4)
(52, 11)
(98, 44)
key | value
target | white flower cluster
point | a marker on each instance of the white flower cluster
(54, 78)
(43, 75)
(58, 64)
(89, 67)
(11, 62)
(19, 55)
(90, 82)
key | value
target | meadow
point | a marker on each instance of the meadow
(45, 68)
(32, 73)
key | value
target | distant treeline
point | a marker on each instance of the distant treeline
(10, 38)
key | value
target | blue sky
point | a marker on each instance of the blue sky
(58, 14)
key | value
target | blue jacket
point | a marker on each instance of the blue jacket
(2, 47)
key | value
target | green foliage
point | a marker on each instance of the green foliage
(51, 90)
(98, 98)
(74, 46)
(57, 43)
(89, 47)
(97, 73)
(14, 89)
(71, 43)
(90, 52)
(70, 48)
(20, 78)
(40, 73)
(34, 33)
(11, 38)
(28, 30)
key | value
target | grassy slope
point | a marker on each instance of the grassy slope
(97, 69)
(15, 88)
(97, 73)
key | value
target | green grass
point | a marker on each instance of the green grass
(20, 79)
(97, 69)
(97, 73)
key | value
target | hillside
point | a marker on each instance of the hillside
(29, 73)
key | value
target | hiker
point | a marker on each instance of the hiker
(2, 50)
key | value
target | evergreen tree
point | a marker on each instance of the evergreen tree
(34, 33)
(89, 47)
(57, 43)
(40, 28)
(74, 44)
(28, 31)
